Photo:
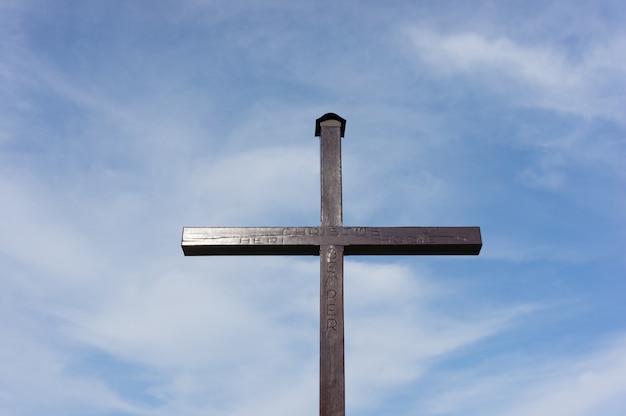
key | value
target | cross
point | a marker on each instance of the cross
(331, 241)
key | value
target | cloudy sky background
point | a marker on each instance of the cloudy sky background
(123, 121)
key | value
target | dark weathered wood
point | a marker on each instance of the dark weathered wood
(332, 367)
(331, 241)
(370, 241)
(330, 167)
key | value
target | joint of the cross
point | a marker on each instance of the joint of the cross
(331, 120)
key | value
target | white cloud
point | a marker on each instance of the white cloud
(536, 75)
(273, 181)
(35, 374)
(395, 331)
(572, 385)
(580, 387)
(472, 52)
(583, 145)
(211, 331)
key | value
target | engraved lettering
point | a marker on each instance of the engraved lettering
(260, 240)
(331, 267)
(409, 239)
(332, 281)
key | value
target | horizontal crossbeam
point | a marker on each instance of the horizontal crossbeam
(220, 241)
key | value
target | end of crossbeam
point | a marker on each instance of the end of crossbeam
(330, 119)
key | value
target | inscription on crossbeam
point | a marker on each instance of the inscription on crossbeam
(201, 241)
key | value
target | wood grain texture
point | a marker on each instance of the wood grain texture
(370, 241)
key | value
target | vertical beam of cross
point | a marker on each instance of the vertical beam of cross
(330, 128)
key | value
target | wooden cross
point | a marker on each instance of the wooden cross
(331, 241)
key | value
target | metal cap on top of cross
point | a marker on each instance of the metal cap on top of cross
(331, 241)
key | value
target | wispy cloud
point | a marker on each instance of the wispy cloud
(394, 343)
(535, 74)
(570, 386)
(37, 374)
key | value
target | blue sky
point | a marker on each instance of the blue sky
(122, 122)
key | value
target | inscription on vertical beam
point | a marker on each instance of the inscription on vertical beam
(332, 380)
(330, 288)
